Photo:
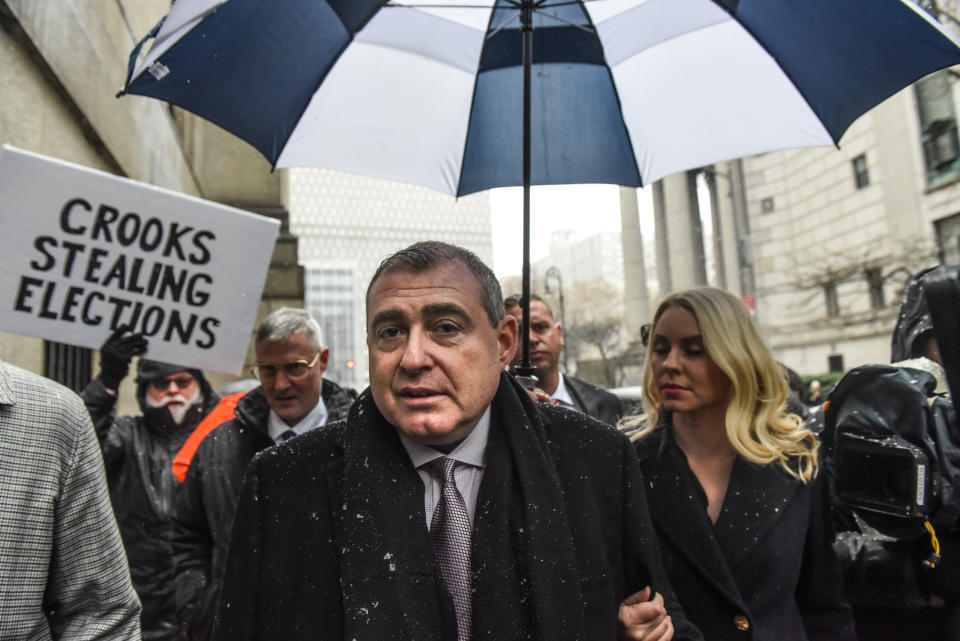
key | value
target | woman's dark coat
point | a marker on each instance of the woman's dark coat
(766, 570)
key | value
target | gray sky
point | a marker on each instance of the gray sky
(585, 209)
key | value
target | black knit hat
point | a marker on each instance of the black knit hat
(148, 370)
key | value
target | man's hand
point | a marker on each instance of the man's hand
(644, 619)
(116, 354)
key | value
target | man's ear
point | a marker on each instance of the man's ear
(560, 329)
(324, 355)
(507, 340)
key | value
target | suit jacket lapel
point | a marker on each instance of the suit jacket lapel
(679, 516)
(756, 498)
(585, 402)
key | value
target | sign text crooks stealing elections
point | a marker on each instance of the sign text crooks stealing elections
(84, 252)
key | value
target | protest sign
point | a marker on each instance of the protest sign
(83, 252)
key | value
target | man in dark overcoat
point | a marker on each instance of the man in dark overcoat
(448, 505)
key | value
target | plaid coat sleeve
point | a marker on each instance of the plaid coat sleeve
(63, 568)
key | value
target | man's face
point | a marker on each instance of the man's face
(291, 397)
(546, 336)
(435, 361)
(176, 391)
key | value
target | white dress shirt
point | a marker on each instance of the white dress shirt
(562, 395)
(471, 453)
(276, 427)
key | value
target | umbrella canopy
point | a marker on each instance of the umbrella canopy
(467, 95)
(622, 91)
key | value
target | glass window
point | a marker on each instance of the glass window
(875, 284)
(938, 127)
(835, 362)
(861, 176)
(830, 297)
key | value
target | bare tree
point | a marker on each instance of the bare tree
(876, 263)
(595, 325)
(604, 335)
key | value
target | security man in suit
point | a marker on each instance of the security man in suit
(546, 343)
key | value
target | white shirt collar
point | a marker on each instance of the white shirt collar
(471, 450)
(317, 417)
(562, 394)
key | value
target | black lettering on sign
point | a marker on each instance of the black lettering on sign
(24, 292)
(106, 216)
(206, 326)
(173, 241)
(129, 229)
(40, 243)
(204, 256)
(65, 215)
(152, 235)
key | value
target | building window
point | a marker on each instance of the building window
(948, 239)
(861, 176)
(938, 127)
(875, 283)
(835, 362)
(68, 365)
(830, 298)
(766, 205)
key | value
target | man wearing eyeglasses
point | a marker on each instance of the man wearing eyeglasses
(137, 453)
(293, 398)
(448, 505)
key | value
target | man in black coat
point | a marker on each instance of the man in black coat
(293, 398)
(137, 454)
(353, 531)
(546, 343)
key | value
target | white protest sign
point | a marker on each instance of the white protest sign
(83, 252)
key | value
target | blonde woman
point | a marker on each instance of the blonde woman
(732, 480)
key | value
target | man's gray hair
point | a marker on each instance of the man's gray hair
(284, 322)
(431, 254)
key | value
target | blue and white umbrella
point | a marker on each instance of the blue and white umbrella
(440, 93)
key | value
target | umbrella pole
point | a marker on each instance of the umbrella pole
(525, 371)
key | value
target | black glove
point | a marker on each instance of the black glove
(116, 354)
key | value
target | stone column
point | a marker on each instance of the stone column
(681, 260)
(636, 299)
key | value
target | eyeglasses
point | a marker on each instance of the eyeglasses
(293, 370)
(163, 384)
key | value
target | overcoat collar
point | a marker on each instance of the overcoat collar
(755, 499)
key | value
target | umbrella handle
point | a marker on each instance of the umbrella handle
(528, 382)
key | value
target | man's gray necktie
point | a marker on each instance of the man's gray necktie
(450, 534)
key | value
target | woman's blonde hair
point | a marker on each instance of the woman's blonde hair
(757, 424)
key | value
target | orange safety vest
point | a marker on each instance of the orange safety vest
(223, 412)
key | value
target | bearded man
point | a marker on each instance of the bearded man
(138, 452)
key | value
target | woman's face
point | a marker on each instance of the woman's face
(687, 379)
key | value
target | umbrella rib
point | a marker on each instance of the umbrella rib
(438, 6)
(506, 23)
(566, 22)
